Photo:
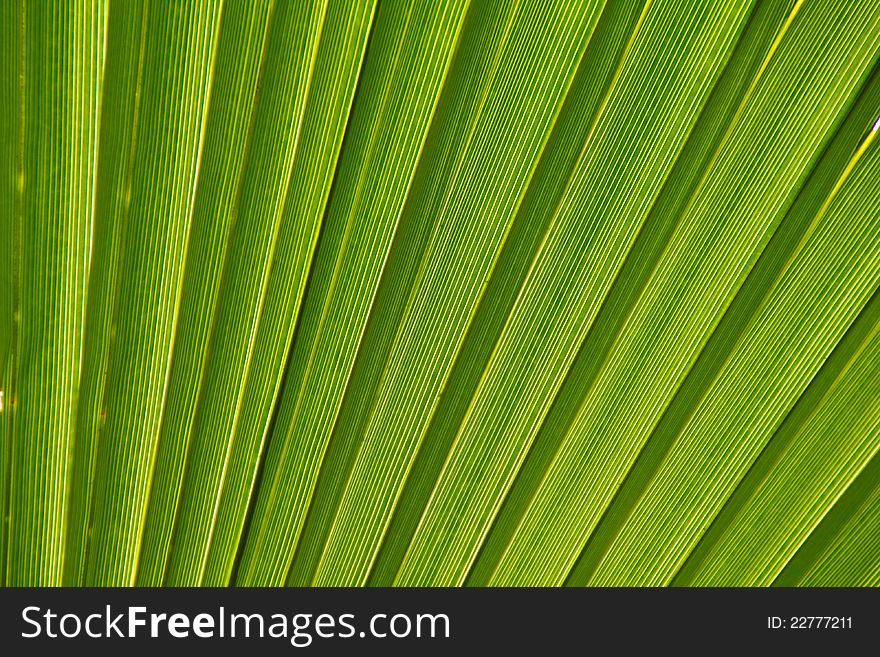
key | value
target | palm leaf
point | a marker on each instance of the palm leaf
(408, 293)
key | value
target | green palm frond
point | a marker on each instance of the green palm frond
(415, 293)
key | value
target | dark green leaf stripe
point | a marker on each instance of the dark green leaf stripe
(55, 119)
(11, 153)
(126, 43)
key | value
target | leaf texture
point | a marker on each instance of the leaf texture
(440, 294)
